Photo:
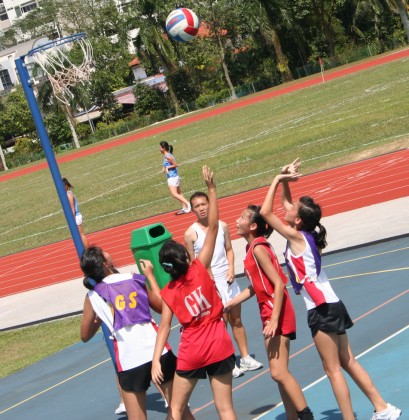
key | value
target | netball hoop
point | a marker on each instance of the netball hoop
(63, 67)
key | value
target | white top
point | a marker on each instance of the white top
(219, 264)
(134, 344)
(317, 288)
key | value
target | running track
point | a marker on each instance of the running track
(340, 189)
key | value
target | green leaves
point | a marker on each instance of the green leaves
(15, 117)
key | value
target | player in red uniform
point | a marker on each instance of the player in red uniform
(205, 347)
(328, 318)
(276, 310)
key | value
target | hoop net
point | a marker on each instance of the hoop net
(63, 74)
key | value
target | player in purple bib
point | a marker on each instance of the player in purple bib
(122, 302)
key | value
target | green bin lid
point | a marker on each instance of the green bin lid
(149, 235)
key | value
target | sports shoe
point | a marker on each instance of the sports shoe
(248, 363)
(121, 409)
(237, 372)
(390, 413)
(185, 210)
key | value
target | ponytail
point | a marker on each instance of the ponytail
(89, 283)
(320, 237)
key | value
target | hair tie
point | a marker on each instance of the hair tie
(92, 282)
(169, 265)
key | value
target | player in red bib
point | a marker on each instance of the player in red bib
(205, 346)
(268, 283)
(328, 318)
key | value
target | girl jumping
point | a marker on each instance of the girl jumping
(328, 318)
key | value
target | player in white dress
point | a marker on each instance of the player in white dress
(222, 267)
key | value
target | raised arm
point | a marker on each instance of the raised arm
(286, 198)
(206, 253)
(268, 212)
(155, 299)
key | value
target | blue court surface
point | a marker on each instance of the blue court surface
(372, 280)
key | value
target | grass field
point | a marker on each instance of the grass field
(344, 120)
(25, 346)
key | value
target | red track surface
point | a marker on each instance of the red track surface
(338, 190)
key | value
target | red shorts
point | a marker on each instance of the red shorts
(286, 323)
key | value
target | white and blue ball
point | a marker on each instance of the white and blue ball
(182, 24)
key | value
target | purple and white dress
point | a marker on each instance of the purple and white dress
(121, 302)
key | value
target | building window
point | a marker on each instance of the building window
(3, 13)
(28, 6)
(5, 79)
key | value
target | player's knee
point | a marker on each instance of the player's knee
(278, 375)
(236, 322)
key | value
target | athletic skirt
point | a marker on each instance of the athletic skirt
(329, 317)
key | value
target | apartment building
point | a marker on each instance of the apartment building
(10, 10)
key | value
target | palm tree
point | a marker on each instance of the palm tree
(401, 7)
(272, 14)
(378, 8)
(152, 43)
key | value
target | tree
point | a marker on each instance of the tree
(272, 14)
(15, 117)
(322, 20)
(153, 44)
(215, 14)
(112, 72)
(148, 99)
(401, 7)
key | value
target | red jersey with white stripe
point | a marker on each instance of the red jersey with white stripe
(264, 288)
(193, 298)
(316, 289)
(262, 285)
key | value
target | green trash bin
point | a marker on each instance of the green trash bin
(146, 243)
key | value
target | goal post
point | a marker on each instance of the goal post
(26, 83)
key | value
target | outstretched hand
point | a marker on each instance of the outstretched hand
(208, 177)
(146, 266)
(288, 177)
(292, 167)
